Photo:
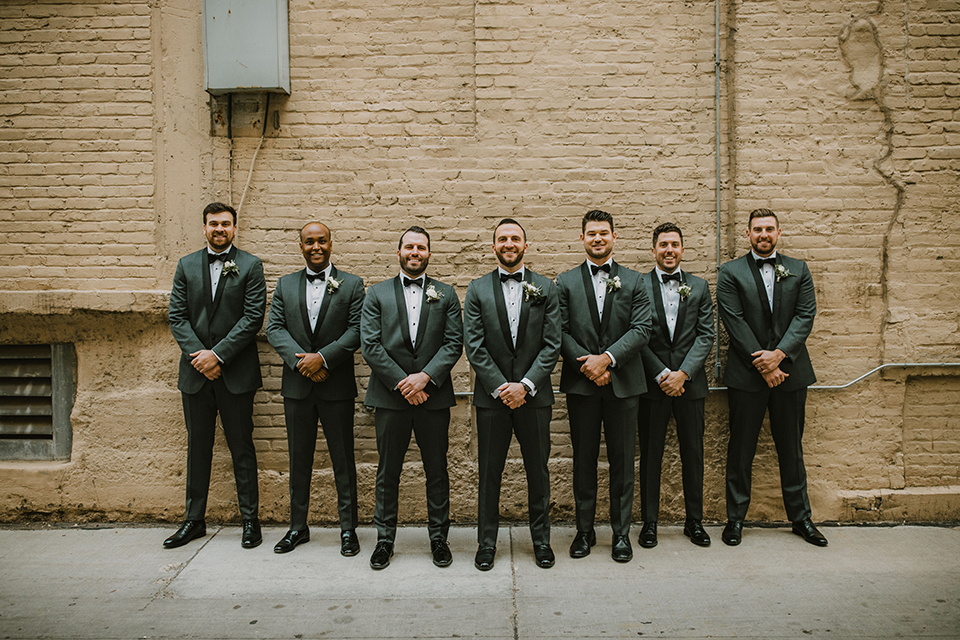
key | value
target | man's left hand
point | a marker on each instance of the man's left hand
(672, 383)
(767, 361)
(310, 363)
(594, 366)
(205, 361)
(413, 384)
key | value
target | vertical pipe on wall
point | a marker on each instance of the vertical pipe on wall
(717, 367)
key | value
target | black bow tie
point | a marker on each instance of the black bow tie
(667, 277)
(412, 281)
(597, 268)
(213, 257)
(313, 276)
(511, 276)
(769, 261)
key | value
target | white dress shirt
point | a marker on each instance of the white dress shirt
(600, 293)
(513, 298)
(768, 275)
(413, 296)
(316, 290)
(216, 270)
(670, 294)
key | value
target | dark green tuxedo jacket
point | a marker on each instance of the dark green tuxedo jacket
(227, 323)
(490, 349)
(386, 346)
(692, 337)
(624, 331)
(746, 314)
(337, 334)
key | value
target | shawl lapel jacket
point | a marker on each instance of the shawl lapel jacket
(745, 312)
(337, 334)
(624, 331)
(228, 323)
(388, 349)
(490, 349)
(692, 337)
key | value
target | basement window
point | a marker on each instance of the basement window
(37, 384)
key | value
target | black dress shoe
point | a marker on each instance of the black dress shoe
(544, 556)
(648, 535)
(732, 533)
(381, 555)
(251, 534)
(291, 540)
(441, 552)
(693, 529)
(484, 558)
(349, 544)
(622, 551)
(580, 548)
(808, 532)
(188, 531)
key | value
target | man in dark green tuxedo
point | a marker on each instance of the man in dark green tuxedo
(673, 360)
(216, 308)
(512, 336)
(411, 335)
(314, 325)
(767, 303)
(605, 314)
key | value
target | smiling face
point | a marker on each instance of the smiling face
(316, 244)
(668, 251)
(598, 239)
(219, 230)
(509, 245)
(414, 253)
(763, 235)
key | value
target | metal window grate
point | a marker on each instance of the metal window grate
(36, 396)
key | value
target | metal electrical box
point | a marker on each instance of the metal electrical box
(246, 46)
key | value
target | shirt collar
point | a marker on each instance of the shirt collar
(503, 271)
(325, 272)
(661, 273)
(756, 257)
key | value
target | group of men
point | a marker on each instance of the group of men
(633, 345)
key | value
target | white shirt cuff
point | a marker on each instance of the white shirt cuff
(663, 374)
(613, 361)
(533, 387)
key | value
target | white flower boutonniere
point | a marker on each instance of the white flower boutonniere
(432, 294)
(781, 272)
(613, 284)
(684, 290)
(333, 284)
(230, 267)
(531, 292)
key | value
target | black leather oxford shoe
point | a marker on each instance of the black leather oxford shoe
(381, 555)
(732, 533)
(648, 535)
(349, 544)
(544, 556)
(808, 532)
(290, 541)
(484, 559)
(188, 531)
(580, 548)
(693, 529)
(251, 534)
(622, 551)
(441, 552)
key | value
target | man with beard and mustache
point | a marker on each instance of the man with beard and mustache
(767, 303)
(314, 325)
(216, 308)
(512, 337)
(606, 320)
(411, 335)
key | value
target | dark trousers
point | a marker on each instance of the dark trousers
(652, 420)
(495, 429)
(337, 419)
(786, 425)
(617, 418)
(236, 415)
(393, 438)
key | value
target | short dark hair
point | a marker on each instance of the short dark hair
(219, 207)
(666, 227)
(763, 213)
(509, 221)
(329, 230)
(414, 229)
(596, 215)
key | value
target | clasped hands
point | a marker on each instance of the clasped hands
(768, 364)
(311, 366)
(412, 387)
(206, 362)
(595, 368)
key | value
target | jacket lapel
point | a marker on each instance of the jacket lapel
(524, 307)
(324, 306)
(777, 290)
(302, 303)
(657, 293)
(424, 313)
(590, 296)
(681, 311)
(608, 299)
(205, 275)
(761, 290)
(402, 312)
(497, 290)
(222, 284)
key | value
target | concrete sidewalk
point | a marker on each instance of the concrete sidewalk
(871, 582)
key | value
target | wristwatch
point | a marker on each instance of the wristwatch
(527, 387)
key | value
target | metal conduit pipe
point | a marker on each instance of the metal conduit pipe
(889, 365)
(717, 367)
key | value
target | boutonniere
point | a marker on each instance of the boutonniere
(432, 294)
(781, 272)
(230, 267)
(531, 292)
(613, 284)
(333, 284)
(684, 290)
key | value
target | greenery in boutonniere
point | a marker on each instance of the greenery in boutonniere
(684, 290)
(531, 292)
(333, 284)
(230, 267)
(432, 294)
(781, 272)
(613, 284)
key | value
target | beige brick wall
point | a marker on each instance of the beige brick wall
(841, 116)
